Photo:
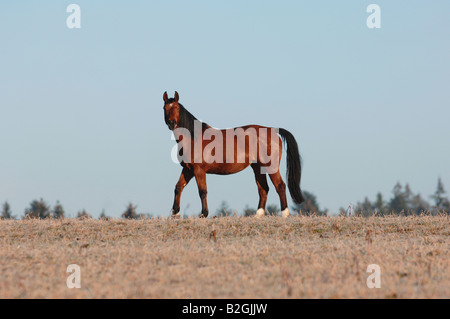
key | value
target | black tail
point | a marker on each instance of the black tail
(294, 166)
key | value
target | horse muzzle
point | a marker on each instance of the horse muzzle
(172, 125)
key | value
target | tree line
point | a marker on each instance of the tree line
(403, 202)
(39, 209)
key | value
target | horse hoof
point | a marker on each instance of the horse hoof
(260, 213)
(174, 215)
(285, 213)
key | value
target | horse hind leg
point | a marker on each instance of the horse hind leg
(280, 186)
(263, 189)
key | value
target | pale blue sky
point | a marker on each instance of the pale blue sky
(81, 110)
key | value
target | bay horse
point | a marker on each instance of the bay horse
(229, 152)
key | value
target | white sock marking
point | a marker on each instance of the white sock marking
(285, 213)
(260, 212)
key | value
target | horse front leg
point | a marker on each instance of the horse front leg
(185, 177)
(200, 177)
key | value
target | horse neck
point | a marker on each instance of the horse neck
(190, 122)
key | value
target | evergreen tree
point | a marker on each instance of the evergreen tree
(103, 216)
(365, 208)
(408, 196)
(58, 210)
(438, 196)
(38, 209)
(6, 211)
(223, 210)
(379, 204)
(398, 202)
(446, 206)
(83, 214)
(249, 211)
(130, 213)
(272, 210)
(419, 205)
(310, 206)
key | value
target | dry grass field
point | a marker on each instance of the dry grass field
(230, 257)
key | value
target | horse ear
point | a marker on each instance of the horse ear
(176, 97)
(165, 97)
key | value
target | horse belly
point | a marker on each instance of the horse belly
(226, 168)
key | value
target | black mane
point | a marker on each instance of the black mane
(186, 119)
